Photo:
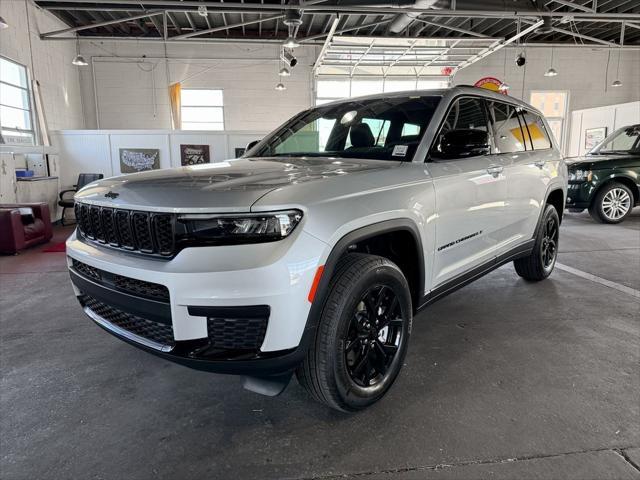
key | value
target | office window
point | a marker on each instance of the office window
(201, 109)
(16, 114)
(553, 105)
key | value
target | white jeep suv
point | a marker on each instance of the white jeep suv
(312, 253)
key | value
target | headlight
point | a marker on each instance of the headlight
(580, 175)
(212, 229)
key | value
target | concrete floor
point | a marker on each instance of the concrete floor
(503, 379)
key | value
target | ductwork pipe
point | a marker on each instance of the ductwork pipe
(403, 20)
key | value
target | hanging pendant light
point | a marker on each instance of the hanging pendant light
(552, 72)
(79, 60)
(280, 87)
(617, 82)
(504, 86)
(3, 23)
(284, 72)
(290, 42)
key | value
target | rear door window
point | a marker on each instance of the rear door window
(537, 131)
(507, 129)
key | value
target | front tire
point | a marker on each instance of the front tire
(362, 335)
(612, 203)
(540, 263)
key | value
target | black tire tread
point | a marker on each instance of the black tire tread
(530, 268)
(314, 374)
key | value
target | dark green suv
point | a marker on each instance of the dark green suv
(607, 179)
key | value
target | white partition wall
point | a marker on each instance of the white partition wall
(611, 117)
(98, 151)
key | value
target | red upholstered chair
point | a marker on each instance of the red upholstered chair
(18, 231)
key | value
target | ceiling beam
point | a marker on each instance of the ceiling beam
(159, 26)
(498, 46)
(225, 27)
(574, 5)
(454, 29)
(173, 21)
(327, 42)
(584, 37)
(101, 24)
(124, 28)
(345, 30)
(257, 8)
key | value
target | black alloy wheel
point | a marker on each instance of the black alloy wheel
(374, 336)
(550, 242)
(539, 264)
(362, 335)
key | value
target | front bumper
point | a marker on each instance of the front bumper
(208, 290)
(579, 194)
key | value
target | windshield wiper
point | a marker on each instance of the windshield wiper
(298, 154)
(614, 152)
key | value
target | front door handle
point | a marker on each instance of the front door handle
(495, 170)
(540, 163)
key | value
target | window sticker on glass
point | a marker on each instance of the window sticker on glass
(400, 150)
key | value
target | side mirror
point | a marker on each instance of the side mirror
(462, 143)
(252, 144)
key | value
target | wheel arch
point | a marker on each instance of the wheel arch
(366, 236)
(623, 179)
(556, 198)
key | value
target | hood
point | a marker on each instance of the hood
(594, 162)
(231, 186)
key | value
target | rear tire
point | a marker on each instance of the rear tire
(540, 263)
(612, 203)
(362, 335)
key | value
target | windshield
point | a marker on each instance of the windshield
(624, 140)
(378, 129)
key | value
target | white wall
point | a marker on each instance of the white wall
(51, 65)
(133, 93)
(98, 151)
(248, 73)
(581, 71)
(612, 117)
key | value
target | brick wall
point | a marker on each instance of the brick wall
(132, 91)
(51, 65)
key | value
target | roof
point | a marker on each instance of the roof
(441, 92)
(573, 22)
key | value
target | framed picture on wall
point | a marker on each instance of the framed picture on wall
(593, 136)
(134, 160)
(194, 154)
(239, 151)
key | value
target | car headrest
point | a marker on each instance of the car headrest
(361, 136)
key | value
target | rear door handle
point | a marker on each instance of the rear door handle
(495, 170)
